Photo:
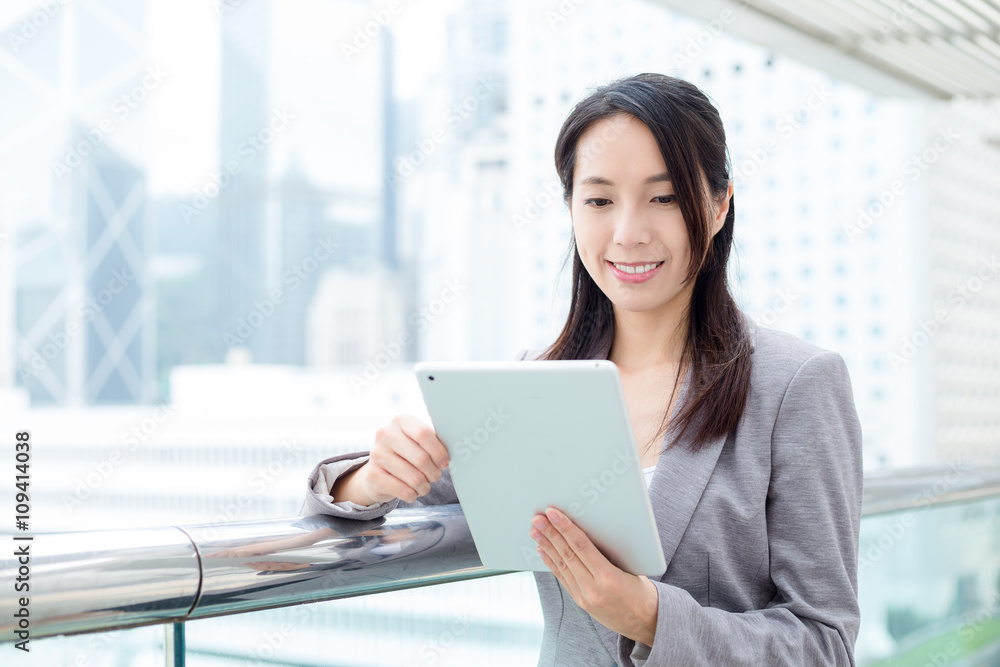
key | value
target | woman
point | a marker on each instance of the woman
(755, 473)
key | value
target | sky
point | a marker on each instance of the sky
(184, 41)
(184, 37)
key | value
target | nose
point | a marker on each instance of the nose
(631, 227)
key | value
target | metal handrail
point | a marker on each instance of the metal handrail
(114, 579)
(913, 489)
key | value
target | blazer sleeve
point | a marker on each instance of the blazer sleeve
(322, 477)
(813, 510)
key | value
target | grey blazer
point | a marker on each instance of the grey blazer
(759, 530)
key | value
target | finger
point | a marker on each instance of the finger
(569, 538)
(426, 438)
(578, 541)
(395, 477)
(417, 456)
(552, 560)
(384, 455)
(571, 571)
(404, 470)
(563, 575)
(548, 550)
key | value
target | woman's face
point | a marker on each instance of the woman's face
(628, 225)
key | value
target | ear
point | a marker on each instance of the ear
(722, 209)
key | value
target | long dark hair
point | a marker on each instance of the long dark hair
(691, 138)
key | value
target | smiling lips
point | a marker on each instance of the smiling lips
(634, 272)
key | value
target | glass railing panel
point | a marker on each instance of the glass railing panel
(135, 647)
(929, 580)
(488, 622)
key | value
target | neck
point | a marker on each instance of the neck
(650, 339)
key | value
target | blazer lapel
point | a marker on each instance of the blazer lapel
(678, 483)
(680, 478)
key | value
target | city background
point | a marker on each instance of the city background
(228, 228)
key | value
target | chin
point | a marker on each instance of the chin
(641, 305)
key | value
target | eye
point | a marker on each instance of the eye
(597, 201)
(660, 200)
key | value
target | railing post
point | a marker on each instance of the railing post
(173, 647)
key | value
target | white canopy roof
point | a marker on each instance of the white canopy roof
(933, 48)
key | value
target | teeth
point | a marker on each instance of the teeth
(637, 269)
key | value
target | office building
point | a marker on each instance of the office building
(302, 130)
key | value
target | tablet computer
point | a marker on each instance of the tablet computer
(524, 436)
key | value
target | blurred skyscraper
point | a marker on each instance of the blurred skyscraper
(303, 129)
(109, 209)
(42, 315)
(243, 200)
(356, 322)
(452, 175)
(959, 320)
(86, 308)
(186, 268)
(76, 190)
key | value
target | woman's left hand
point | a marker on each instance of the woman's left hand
(623, 602)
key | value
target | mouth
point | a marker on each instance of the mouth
(635, 267)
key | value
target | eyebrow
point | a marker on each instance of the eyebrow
(600, 180)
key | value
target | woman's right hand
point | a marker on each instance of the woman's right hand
(405, 460)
